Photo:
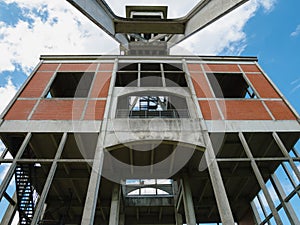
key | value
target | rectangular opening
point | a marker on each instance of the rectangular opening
(128, 67)
(71, 85)
(126, 79)
(231, 85)
(150, 67)
(172, 67)
(151, 79)
(175, 80)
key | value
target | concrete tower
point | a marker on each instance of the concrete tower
(146, 138)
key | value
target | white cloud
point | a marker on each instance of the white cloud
(226, 35)
(67, 31)
(296, 32)
(296, 84)
(7, 93)
(268, 5)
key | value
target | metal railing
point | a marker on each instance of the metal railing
(170, 113)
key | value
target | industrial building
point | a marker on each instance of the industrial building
(146, 138)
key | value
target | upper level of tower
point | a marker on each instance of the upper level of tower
(147, 30)
(77, 88)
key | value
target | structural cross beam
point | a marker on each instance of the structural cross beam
(178, 29)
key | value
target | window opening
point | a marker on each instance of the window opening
(175, 79)
(149, 106)
(70, 85)
(146, 187)
(151, 79)
(227, 85)
(151, 75)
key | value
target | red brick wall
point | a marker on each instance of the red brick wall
(209, 110)
(59, 110)
(95, 110)
(101, 85)
(221, 68)
(280, 110)
(36, 85)
(262, 85)
(244, 110)
(201, 86)
(250, 68)
(48, 67)
(78, 67)
(20, 110)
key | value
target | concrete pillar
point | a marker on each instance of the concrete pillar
(10, 212)
(260, 180)
(94, 184)
(41, 203)
(122, 219)
(188, 201)
(178, 218)
(114, 215)
(218, 186)
(11, 170)
(288, 208)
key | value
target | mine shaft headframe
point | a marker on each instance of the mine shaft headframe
(146, 29)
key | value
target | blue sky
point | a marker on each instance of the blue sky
(268, 29)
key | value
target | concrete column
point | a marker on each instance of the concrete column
(288, 208)
(94, 184)
(188, 201)
(286, 154)
(218, 186)
(95, 177)
(114, 215)
(122, 219)
(40, 206)
(11, 170)
(178, 218)
(10, 212)
(260, 180)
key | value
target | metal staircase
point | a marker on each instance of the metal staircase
(25, 193)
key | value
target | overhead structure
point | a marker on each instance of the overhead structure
(144, 19)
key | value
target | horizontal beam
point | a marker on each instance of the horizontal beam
(146, 26)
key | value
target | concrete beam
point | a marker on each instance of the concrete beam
(188, 201)
(114, 215)
(40, 206)
(260, 180)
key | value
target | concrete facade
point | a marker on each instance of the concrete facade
(150, 140)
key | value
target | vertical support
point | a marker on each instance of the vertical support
(263, 208)
(178, 218)
(288, 208)
(122, 219)
(95, 177)
(114, 215)
(255, 212)
(188, 201)
(286, 154)
(41, 202)
(260, 180)
(210, 158)
(218, 185)
(94, 183)
(10, 212)
(13, 166)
